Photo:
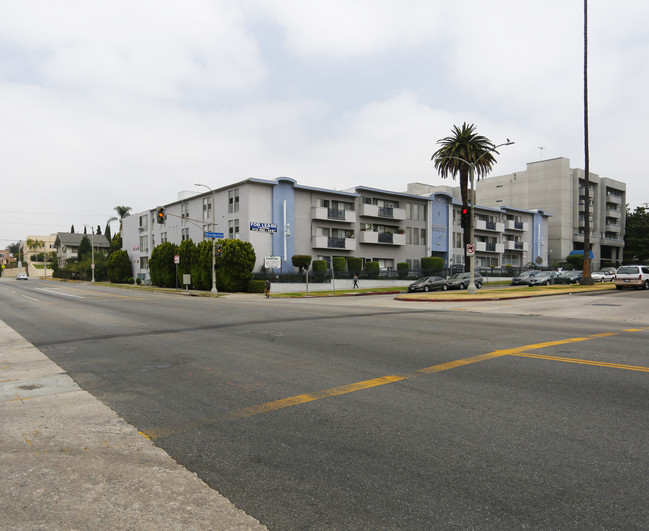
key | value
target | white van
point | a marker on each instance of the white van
(632, 276)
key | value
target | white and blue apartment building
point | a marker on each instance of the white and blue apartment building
(280, 218)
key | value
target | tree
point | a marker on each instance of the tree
(636, 236)
(235, 265)
(85, 249)
(107, 233)
(457, 154)
(122, 212)
(119, 267)
(161, 265)
(301, 261)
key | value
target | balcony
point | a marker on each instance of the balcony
(510, 224)
(327, 242)
(381, 238)
(481, 224)
(486, 247)
(375, 211)
(511, 245)
(333, 214)
(615, 199)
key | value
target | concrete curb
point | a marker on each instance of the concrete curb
(69, 462)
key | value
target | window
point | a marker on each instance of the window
(144, 244)
(184, 234)
(163, 237)
(422, 236)
(207, 208)
(184, 210)
(233, 200)
(143, 222)
(408, 235)
(233, 229)
(415, 236)
(144, 263)
(408, 210)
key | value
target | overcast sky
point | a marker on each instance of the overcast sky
(129, 102)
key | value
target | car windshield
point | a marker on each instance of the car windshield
(627, 270)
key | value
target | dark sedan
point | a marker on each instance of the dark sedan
(523, 279)
(428, 284)
(569, 277)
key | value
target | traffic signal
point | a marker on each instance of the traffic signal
(160, 215)
(219, 250)
(466, 218)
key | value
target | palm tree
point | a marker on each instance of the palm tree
(457, 154)
(122, 212)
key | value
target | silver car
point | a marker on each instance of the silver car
(461, 280)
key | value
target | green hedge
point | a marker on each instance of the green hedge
(354, 264)
(256, 286)
(432, 263)
(372, 269)
(319, 266)
(403, 269)
(340, 264)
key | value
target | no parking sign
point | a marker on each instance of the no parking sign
(470, 249)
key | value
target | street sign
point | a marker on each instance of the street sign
(176, 259)
(214, 235)
(470, 249)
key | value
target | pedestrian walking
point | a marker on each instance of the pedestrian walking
(267, 288)
(355, 281)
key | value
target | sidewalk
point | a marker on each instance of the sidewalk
(69, 462)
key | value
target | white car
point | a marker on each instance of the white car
(632, 276)
(22, 276)
(602, 276)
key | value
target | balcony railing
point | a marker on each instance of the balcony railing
(387, 238)
(333, 214)
(328, 242)
(481, 224)
(376, 211)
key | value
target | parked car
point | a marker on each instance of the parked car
(461, 280)
(602, 276)
(523, 278)
(632, 276)
(569, 277)
(428, 284)
(22, 276)
(544, 278)
(609, 270)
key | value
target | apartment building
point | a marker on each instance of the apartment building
(281, 218)
(554, 187)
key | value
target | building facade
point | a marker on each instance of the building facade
(282, 218)
(554, 187)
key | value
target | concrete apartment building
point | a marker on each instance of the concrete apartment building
(281, 218)
(554, 187)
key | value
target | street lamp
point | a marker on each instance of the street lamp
(472, 289)
(214, 290)
(92, 252)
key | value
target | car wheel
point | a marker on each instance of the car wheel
(646, 284)
(426, 288)
(461, 286)
(444, 287)
(547, 282)
(618, 287)
(478, 285)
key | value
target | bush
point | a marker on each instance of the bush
(354, 264)
(403, 269)
(319, 266)
(372, 269)
(432, 263)
(119, 267)
(235, 265)
(256, 286)
(301, 261)
(161, 265)
(340, 264)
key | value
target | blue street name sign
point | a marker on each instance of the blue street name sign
(214, 235)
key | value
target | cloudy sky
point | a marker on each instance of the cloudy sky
(129, 102)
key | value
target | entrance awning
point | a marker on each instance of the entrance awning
(580, 252)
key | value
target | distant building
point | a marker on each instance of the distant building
(282, 218)
(67, 245)
(554, 187)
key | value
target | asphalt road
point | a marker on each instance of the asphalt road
(368, 413)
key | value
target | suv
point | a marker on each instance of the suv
(461, 280)
(632, 276)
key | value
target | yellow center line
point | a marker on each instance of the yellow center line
(375, 382)
(583, 362)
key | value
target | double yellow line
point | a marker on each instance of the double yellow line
(266, 407)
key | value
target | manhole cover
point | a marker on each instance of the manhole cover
(30, 387)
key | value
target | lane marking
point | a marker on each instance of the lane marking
(583, 362)
(60, 293)
(156, 433)
(31, 298)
